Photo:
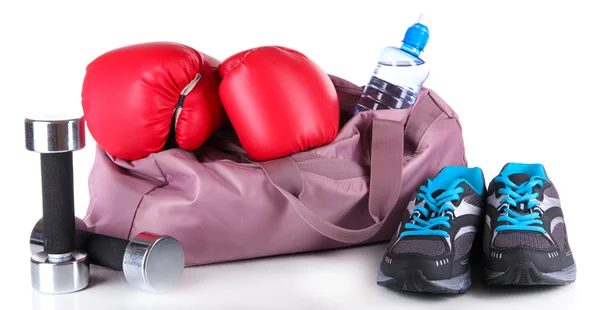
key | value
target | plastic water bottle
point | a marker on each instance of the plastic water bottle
(399, 74)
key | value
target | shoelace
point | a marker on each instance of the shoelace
(437, 207)
(520, 194)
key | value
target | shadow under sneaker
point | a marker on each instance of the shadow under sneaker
(431, 250)
(525, 237)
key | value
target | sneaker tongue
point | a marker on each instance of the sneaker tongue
(519, 178)
(437, 193)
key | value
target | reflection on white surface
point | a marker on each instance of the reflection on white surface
(104, 284)
(55, 302)
(338, 279)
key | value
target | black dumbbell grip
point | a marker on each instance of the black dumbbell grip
(58, 202)
(102, 250)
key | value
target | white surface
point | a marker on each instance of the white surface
(326, 280)
(522, 75)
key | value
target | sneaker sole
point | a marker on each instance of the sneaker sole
(414, 281)
(526, 273)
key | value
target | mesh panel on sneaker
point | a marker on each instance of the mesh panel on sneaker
(551, 192)
(515, 239)
(475, 200)
(560, 235)
(463, 244)
(420, 246)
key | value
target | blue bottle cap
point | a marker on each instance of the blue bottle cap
(417, 35)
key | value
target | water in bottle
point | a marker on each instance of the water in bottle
(399, 74)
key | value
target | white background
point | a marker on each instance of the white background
(522, 76)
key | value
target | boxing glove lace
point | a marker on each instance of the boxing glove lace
(135, 97)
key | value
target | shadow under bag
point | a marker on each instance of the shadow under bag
(222, 206)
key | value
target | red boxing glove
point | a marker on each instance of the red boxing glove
(132, 95)
(278, 101)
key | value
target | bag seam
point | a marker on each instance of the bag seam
(323, 158)
(347, 180)
(463, 148)
(445, 110)
(138, 207)
(453, 115)
(235, 164)
(420, 144)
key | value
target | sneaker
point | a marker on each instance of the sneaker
(431, 250)
(525, 237)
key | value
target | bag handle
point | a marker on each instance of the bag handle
(387, 152)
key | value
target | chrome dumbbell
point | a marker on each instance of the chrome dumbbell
(149, 262)
(59, 267)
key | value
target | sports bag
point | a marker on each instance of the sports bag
(222, 206)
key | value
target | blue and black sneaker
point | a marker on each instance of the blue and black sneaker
(431, 250)
(525, 237)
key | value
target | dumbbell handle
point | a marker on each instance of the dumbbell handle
(102, 250)
(106, 251)
(58, 202)
(149, 261)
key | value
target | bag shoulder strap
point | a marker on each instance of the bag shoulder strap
(385, 175)
(385, 183)
(425, 112)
